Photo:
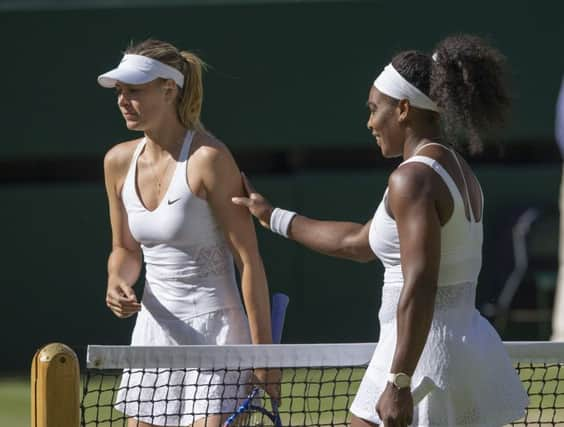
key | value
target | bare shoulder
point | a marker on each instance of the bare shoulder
(412, 180)
(209, 150)
(118, 158)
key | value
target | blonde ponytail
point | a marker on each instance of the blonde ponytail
(190, 102)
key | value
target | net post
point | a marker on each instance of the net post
(55, 389)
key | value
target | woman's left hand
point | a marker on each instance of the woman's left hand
(395, 407)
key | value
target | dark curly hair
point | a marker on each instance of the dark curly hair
(466, 77)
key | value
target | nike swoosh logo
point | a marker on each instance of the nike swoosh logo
(170, 202)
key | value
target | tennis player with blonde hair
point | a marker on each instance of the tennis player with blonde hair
(427, 231)
(170, 206)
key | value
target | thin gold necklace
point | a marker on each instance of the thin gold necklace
(156, 177)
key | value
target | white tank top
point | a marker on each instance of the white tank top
(463, 355)
(189, 267)
(461, 239)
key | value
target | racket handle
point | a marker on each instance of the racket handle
(423, 389)
(279, 303)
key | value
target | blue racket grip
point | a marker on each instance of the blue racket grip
(242, 408)
(277, 420)
(278, 313)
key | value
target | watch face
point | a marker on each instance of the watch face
(402, 380)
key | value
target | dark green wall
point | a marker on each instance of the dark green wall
(284, 75)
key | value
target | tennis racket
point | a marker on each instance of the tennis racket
(249, 410)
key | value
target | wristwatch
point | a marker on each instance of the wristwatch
(399, 380)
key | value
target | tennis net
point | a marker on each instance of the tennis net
(178, 385)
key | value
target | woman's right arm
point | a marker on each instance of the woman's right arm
(124, 262)
(340, 239)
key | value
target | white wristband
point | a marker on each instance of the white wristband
(280, 221)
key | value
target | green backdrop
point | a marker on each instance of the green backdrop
(282, 75)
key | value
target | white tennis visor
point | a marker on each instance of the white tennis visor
(139, 69)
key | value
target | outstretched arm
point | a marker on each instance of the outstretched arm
(335, 238)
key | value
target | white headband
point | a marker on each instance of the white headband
(391, 83)
(139, 69)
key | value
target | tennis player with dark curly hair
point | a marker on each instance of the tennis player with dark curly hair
(427, 231)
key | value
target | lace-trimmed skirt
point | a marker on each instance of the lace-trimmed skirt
(475, 382)
(171, 398)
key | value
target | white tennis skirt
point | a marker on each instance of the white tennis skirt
(178, 398)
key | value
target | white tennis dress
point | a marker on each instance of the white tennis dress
(190, 297)
(476, 384)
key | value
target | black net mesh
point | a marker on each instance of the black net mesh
(310, 396)
(544, 383)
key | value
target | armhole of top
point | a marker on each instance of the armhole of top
(131, 173)
(473, 217)
(466, 189)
